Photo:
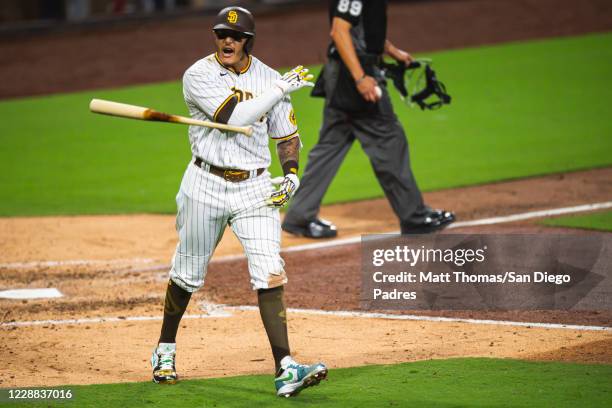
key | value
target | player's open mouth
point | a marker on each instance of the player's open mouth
(227, 52)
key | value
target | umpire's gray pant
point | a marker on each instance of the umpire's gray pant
(382, 138)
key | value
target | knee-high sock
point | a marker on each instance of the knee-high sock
(272, 311)
(176, 302)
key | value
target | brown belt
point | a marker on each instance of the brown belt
(233, 175)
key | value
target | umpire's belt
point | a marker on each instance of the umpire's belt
(233, 175)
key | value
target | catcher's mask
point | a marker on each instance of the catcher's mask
(240, 20)
(425, 88)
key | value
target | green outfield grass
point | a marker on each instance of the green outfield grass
(436, 383)
(518, 110)
(601, 221)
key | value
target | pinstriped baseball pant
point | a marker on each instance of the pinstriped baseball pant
(206, 205)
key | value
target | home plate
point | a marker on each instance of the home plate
(30, 293)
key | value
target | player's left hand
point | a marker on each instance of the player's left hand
(286, 189)
(295, 79)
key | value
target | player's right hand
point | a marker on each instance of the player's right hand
(295, 79)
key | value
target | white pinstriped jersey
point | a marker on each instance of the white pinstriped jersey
(207, 86)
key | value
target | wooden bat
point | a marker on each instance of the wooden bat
(125, 110)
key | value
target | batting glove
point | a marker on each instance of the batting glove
(286, 189)
(295, 79)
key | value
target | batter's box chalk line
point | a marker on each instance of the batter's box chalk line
(214, 309)
(74, 262)
(224, 311)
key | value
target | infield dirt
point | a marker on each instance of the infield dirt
(127, 274)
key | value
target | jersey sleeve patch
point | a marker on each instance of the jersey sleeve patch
(281, 121)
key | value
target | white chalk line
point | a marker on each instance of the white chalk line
(460, 224)
(332, 243)
(370, 315)
(64, 322)
(533, 214)
(222, 311)
(74, 262)
(327, 243)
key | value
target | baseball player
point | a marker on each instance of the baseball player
(357, 105)
(227, 183)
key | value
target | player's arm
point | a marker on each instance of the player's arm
(397, 54)
(289, 155)
(249, 111)
(341, 36)
(282, 127)
(219, 103)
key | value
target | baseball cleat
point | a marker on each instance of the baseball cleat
(433, 220)
(318, 228)
(164, 364)
(294, 377)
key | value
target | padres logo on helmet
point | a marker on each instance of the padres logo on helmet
(232, 17)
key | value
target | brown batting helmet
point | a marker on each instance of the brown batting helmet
(237, 19)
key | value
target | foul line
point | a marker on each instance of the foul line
(534, 214)
(222, 311)
(368, 315)
(483, 221)
(326, 243)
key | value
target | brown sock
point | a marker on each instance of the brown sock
(272, 311)
(176, 302)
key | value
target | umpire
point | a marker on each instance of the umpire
(357, 105)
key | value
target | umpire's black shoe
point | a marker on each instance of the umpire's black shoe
(317, 228)
(434, 220)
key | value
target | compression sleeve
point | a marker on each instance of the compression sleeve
(248, 112)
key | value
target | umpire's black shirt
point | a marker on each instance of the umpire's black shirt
(369, 21)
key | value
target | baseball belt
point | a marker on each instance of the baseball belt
(232, 175)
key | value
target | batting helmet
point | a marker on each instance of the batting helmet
(237, 19)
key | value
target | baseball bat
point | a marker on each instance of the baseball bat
(125, 110)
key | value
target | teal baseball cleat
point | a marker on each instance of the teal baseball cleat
(294, 377)
(163, 363)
